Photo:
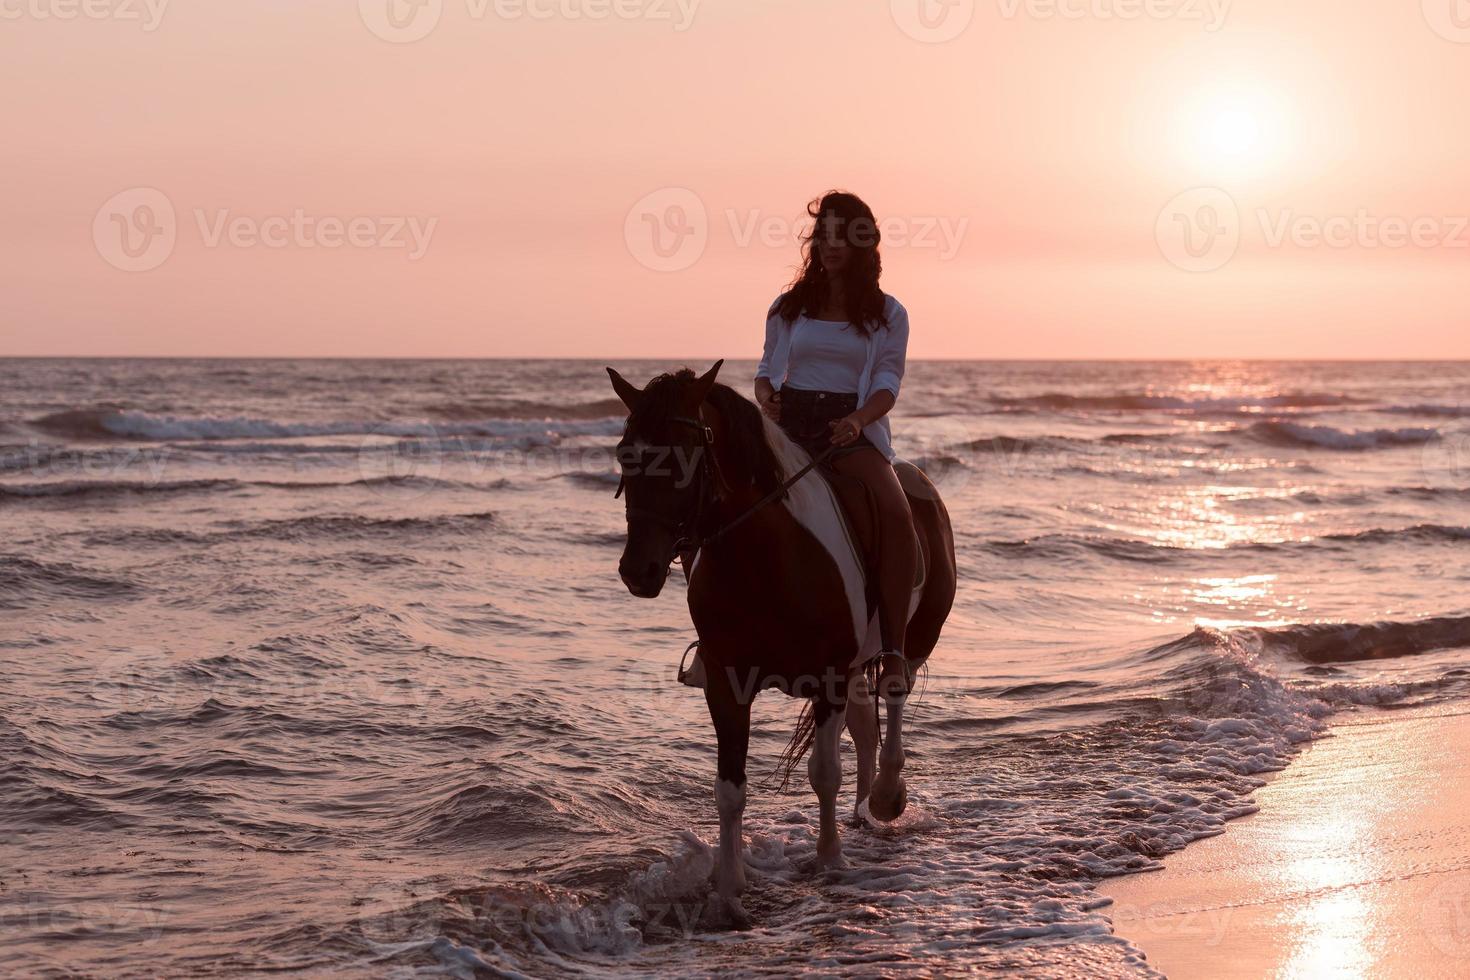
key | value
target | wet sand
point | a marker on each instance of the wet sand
(1357, 865)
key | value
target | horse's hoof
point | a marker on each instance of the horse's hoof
(726, 912)
(831, 862)
(888, 806)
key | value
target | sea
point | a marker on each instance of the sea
(323, 667)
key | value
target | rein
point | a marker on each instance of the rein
(690, 541)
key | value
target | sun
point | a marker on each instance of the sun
(1239, 131)
(1234, 132)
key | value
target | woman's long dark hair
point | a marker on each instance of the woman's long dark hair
(843, 214)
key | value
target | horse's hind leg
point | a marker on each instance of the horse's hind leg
(825, 769)
(732, 729)
(863, 724)
(890, 796)
(931, 520)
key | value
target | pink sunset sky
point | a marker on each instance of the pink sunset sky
(484, 178)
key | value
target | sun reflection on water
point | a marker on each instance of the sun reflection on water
(1327, 859)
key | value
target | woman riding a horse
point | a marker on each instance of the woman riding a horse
(830, 374)
(778, 582)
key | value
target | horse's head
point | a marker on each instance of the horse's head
(664, 472)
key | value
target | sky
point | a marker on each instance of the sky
(627, 178)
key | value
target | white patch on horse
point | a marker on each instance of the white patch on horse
(814, 505)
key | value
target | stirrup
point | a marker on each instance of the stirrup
(694, 675)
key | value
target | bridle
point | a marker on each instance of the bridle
(688, 530)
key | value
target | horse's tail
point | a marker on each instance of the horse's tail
(796, 749)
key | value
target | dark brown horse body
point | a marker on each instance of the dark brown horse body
(778, 599)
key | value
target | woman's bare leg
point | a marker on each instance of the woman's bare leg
(898, 543)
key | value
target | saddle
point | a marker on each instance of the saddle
(860, 511)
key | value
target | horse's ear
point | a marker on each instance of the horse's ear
(707, 381)
(626, 391)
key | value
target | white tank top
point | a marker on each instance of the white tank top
(826, 356)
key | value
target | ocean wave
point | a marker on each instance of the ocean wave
(1432, 411)
(1013, 445)
(1333, 643)
(1279, 433)
(346, 527)
(42, 459)
(939, 465)
(1067, 545)
(1172, 403)
(24, 581)
(1004, 445)
(1418, 533)
(1062, 546)
(1011, 840)
(94, 489)
(1430, 493)
(107, 488)
(482, 813)
(102, 424)
(357, 525)
(605, 408)
(600, 480)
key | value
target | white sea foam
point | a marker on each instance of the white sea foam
(1295, 433)
(146, 426)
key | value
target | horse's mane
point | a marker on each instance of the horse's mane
(744, 431)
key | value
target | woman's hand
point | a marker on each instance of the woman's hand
(771, 406)
(846, 430)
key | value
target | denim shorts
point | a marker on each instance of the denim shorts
(805, 414)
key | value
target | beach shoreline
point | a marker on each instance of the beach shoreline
(1357, 864)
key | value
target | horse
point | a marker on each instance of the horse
(777, 592)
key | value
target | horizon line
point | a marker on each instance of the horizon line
(710, 360)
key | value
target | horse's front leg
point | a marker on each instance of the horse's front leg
(890, 796)
(732, 728)
(862, 723)
(825, 770)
